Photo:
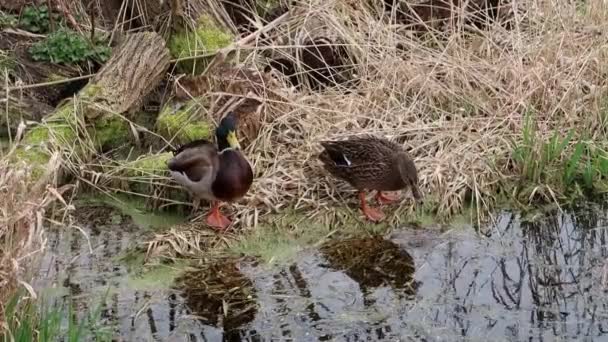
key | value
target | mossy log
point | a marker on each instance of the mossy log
(94, 118)
(181, 123)
(203, 40)
(21, 109)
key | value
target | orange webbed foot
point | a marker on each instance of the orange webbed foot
(216, 219)
(373, 214)
(386, 199)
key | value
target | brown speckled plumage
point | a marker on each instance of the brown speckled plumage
(370, 163)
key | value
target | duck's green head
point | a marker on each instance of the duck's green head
(226, 132)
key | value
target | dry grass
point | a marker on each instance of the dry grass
(456, 99)
(188, 240)
(22, 225)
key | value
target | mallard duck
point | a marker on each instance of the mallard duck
(216, 174)
(371, 163)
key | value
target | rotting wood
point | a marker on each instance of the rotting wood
(22, 107)
(93, 119)
(133, 72)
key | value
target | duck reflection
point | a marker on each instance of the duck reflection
(219, 294)
(373, 262)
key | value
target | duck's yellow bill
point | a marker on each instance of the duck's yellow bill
(232, 140)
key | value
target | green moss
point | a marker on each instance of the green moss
(55, 131)
(44, 133)
(111, 132)
(143, 177)
(182, 125)
(208, 37)
(91, 94)
(155, 164)
(6, 62)
(90, 91)
(37, 135)
(33, 156)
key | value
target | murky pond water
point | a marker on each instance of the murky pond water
(533, 282)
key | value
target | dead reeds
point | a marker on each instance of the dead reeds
(456, 98)
(22, 226)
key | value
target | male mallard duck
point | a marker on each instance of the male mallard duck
(212, 173)
(371, 163)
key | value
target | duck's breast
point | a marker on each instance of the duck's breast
(234, 176)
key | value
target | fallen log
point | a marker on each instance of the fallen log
(20, 108)
(94, 119)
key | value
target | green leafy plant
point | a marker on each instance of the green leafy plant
(572, 163)
(37, 19)
(68, 47)
(7, 20)
(565, 162)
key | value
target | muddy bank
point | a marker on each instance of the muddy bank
(519, 281)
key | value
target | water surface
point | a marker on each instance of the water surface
(518, 281)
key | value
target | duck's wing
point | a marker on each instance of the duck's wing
(199, 143)
(352, 152)
(195, 162)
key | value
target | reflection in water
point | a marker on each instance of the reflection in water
(533, 282)
(373, 262)
(219, 294)
(80, 270)
(530, 281)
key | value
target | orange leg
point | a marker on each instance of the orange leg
(372, 214)
(386, 199)
(215, 218)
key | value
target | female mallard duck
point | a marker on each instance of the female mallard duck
(214, 174)
(371, 163)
